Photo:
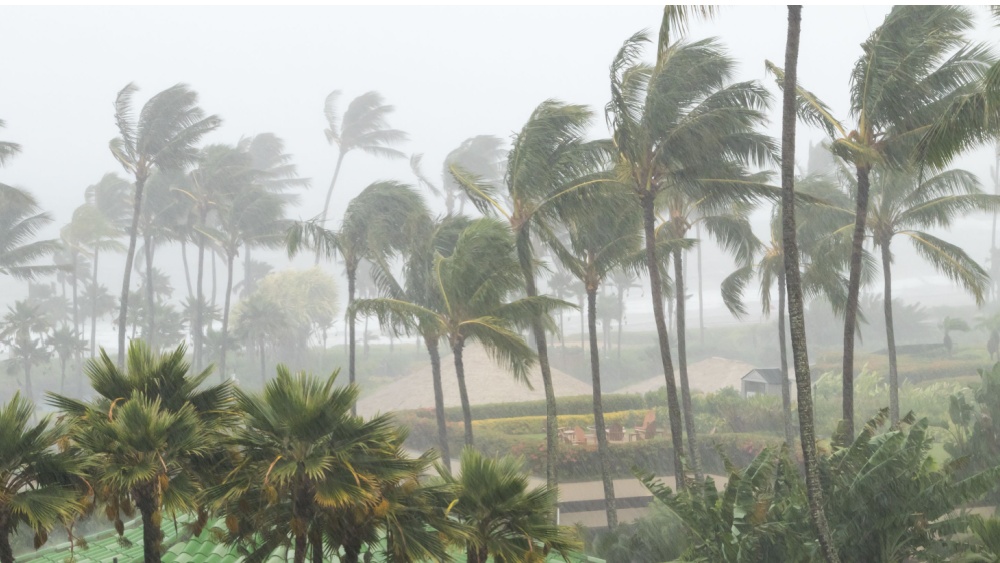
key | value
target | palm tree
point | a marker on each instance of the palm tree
(153, 437)
(913, 66)
(793, 282)
(306, 462)
(163, 137)
(903, 203)
(509, 522)
(364, 127)
(36, 480)
(474, 284)
(20, 221)
(548, 160)
(103, 303)
(949, 325)
(604, 236)
(258, 321)
(23, 329)
(482, 156)
(380, 222)
(678, 126)
(66, 343)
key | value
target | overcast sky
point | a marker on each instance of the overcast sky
(451, 73)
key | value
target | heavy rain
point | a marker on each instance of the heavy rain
(500, 284)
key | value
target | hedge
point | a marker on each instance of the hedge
(536, 424)
(581, 404)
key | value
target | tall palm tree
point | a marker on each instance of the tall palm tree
(548, 161)
(800, 353)
(67, 344)
(903, 203)
(679, 125)
(509, 522)
(913, 66)
(23, 329)
(482, 156)
(258, 321)
(379, 223)
(102, 304)
(163, 136)
(364, 127)
(36, 479)
(475, 284)
(154, 435)
(604, 236)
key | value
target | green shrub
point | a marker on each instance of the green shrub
(536, 424)
(582, 404)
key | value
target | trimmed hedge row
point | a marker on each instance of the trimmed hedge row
(536, 424)
(581, 404)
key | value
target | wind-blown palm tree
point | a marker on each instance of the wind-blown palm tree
(793, 282)
(153, 435)
(903, 204)
(23, 329)
(604, 236)
(259, 321)
(67, 344)
(548, 161)
(474, 285)
(679, 125)
(509, 522)
(20, 221)
(164, 136)
(364, 127)
(913, 66)
(482, 156)
(379, 223)
(36, 480)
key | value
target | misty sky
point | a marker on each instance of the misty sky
(451, 72)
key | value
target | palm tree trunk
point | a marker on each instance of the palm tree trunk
(76, 316)
(463, 393)
(147, 244)
(656, 294)
(196, 330)
(351, 274)
(890, 333)
(62, 374)
(583, 316)
(541, 346)
(442, 424)
(152, 535)
(140, 182)
(794, 286)
(187, 270)
(27, 379)
(6, 552)
(701, 301)
(263, 369)
(329, 192)
(214, 290)
(692, 443)
(316, 541)
(247, 279)
(621, 318)
(786, 392)
(602, 437)
(93, 306)
(230, 258)
(352, 550)
(853, 291)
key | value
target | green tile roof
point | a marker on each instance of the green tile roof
(183, 548)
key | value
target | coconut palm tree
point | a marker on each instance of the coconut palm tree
(364, 127)
(258, 321)
(474, 286)
(36, 479)
(164, 136)
(604, 236)
(67, 344)
(379, 223)
(153, 433)
(549, 160)
(20, 221)
(793, 283)
(482, 156)
(509, 522)
(23, 329)
(913, 66)
(680, 125)
(903, 204)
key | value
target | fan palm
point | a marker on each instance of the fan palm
(600, 242)
(903, 203)
(548, 160)
(164, 136)
(153, 435)
(36, 480)
(678, 126)
(474, 284)
(913, 66)
(363, 127)
(509, 522)
(379, 223)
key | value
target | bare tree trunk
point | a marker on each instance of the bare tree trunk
(786, 393)
(140, 182)
(225, 316)
(463, 392)
(692, 443)
(701, 301)
(93, 307)
(656, 293)
(890, 334)
(329, 192)
(853, 291)
(442, 423)
(602, 438)
(794, 286)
